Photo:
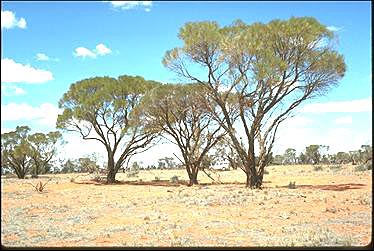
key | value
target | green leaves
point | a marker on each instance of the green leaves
(102, 98)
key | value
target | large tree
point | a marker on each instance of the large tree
(104, 109)
(181, 111)
(269, 68)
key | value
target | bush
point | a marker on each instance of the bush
(318, 168)
(292, 185)
(363, 167)
(97, 178)
(174, 179)
(335, 167)
(157, 178)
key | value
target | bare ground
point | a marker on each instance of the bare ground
(332, 207)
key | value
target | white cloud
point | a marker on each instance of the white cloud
(101, 50)
(9, 20)
(359, 105)
(128, 5)
(42, 57)
(10, 90)
(12, 72)
(333, 28)
(343, 120)
(84, 52)
(45, 114)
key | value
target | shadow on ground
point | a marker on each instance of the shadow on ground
(334, 187)
(165, 183)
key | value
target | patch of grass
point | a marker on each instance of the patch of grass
(335, 167)
(317, 168)
(314, 238)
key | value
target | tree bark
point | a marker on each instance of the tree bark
(111, 176)
(192, 174)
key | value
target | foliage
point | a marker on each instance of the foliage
(364, 167)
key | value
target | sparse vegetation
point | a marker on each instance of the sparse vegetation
(320, 237)
(174, 179)
(292, 185)
(364, 167)
(317, 168)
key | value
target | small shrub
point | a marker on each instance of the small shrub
(157, 178)
(363, 167)
(335, 167)
(292, 185)
(133, 173)
(266, 172)
(97, 178)
(318, 168)
(174, 179)
(72, 180)
(39, 187)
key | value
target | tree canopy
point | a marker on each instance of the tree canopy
(105, 109)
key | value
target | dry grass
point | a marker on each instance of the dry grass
(326, 208)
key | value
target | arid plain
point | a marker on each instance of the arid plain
(328, 207)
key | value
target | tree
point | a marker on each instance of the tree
(182, 113)
(313, 155)
(70, 166)
(343, 158)
(166, 162)
(366, 153)
(289, 156)
(87, 165)
(278, 159)
(105, 109)
(15, 151)
(269, 69)
(43, 149)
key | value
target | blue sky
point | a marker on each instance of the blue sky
(134, 39)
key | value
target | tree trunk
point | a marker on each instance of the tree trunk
(193, 179)
(192, 174)
(111, 176)
(253, 181)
